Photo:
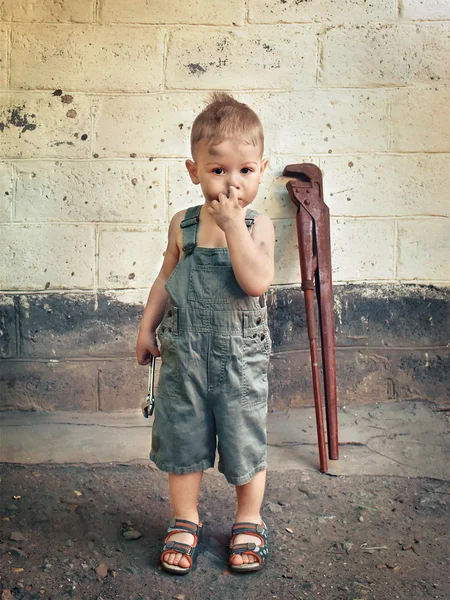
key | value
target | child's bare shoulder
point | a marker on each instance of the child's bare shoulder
(263, 225)
(175, 231)
(263, 233)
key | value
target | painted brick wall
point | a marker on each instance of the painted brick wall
(96, 102)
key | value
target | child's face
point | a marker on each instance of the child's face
(230, 163)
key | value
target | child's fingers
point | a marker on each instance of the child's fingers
(233, 195)
(143, 358)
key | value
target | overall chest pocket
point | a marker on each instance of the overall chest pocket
(213, 285)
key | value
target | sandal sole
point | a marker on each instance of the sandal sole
(245, 569)
(177, 570)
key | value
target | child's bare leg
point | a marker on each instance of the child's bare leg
(184, 490)
(249, 500)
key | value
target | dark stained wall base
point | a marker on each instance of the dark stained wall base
(67, 351)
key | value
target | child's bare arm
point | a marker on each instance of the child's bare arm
(252, 255)
(153, 313)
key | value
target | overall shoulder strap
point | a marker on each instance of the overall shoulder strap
(189, 225)
(250, 217)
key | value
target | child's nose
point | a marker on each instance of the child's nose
(234, 181)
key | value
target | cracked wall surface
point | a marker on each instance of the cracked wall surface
(96, 103)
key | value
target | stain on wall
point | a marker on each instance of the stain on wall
(16, 116)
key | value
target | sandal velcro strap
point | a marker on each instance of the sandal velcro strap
(183, 525)
(241, 548)
(178, 547)
(247, 528)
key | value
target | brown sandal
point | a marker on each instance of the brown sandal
(191, 552)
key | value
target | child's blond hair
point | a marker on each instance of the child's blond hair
(224, 117)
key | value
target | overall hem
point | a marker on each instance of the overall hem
(243, 479)
(170, 468)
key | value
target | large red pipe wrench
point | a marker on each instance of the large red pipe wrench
(313, 231)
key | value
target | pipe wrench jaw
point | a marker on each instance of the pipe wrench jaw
(299, 188)
(297, 191)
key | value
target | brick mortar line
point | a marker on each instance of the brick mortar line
(395, 252)
(442, 85)
(146, 289)
(96, 263)
(365, 282)
(92, 116)
(323, 24)
(13, 207)
(379, 86)
(246, 24)
(156, 227)
(178, 159)
(17, 324)
(275, 355)
(368, 348)
(343, 154)
(9, 58)
(165, 58)
(175, 159)
(166, 194)
(441, 285)
(319, 60)
(390, 125)
(444, 284)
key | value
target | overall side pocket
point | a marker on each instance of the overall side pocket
(169, 378)
(255, 362)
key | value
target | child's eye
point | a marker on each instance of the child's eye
(247, 170)
(215, 171)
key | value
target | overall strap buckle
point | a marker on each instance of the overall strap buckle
(189, 225)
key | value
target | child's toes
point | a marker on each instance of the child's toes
(237, 559)
(184, 562)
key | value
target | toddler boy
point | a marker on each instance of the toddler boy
(209, 307)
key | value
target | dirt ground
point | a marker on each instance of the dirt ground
(337, 538)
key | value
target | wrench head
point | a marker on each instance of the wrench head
(305, 172)
(307, 177)
(145, 406)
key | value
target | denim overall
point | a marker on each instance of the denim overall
(215, 347)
